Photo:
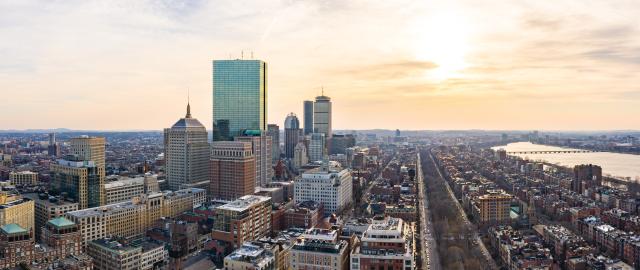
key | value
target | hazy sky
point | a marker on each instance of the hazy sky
(386, 64)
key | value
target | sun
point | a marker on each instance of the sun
(443, 39)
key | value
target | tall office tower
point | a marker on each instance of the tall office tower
(53, 149)
(239, 95)
(273, 130)
(80, 180)
(308, 117)
(317, 147)
(322, 116)
(186, 154)
(233, 170)
(89, 149)
(291, 134)
(261, 146)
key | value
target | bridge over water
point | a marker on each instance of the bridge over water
(549, 152)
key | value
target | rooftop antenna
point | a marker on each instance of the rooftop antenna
(242, 54)
(322, 89)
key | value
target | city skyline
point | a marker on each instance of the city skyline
(109, 61)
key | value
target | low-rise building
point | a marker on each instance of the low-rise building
(388, 243)
(123, 189)
(23, 178)
(109, 254)
(250, 256)
(47, 208)
(320, 249)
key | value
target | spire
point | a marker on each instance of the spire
(188, 107)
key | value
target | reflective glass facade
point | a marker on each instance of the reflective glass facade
(240, 95)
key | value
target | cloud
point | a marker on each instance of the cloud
(386, 70)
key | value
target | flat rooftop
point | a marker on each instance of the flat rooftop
(244, 202)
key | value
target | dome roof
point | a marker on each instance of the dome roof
(291, 122)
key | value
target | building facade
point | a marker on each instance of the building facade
(292, 134)
(317, 146)
(186, 153)
(322, 116)
(308, 117)
(123, 189)
(15, 209)
(23, 178)
(239, 96)
(47, 208)
(89, 149)
(261, 146)
(330, 186)
(233, 170)
(81, 181)
(320, 249)
(245, 219)
(274, 131)
(388, 243)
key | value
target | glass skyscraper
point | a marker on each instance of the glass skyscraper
(239, 96)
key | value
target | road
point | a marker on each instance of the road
(476, 237)
(429, 254)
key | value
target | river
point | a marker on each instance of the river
(623, 166)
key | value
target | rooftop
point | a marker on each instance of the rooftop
(61, 222)
(12, 229)
(244, 202)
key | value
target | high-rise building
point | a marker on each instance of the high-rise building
(240, 95)
(89, 149)
(245, 219)
(54, 148)
(15, 209)
(233, 170)
(317, 147)
(186, 153)
(261, 145)
(586, 176)
(273, 130)
(79, 180)
(322, 116)
(291, 134)
(300, 156)
(308, 117)
(330, 186)
(388, 243)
